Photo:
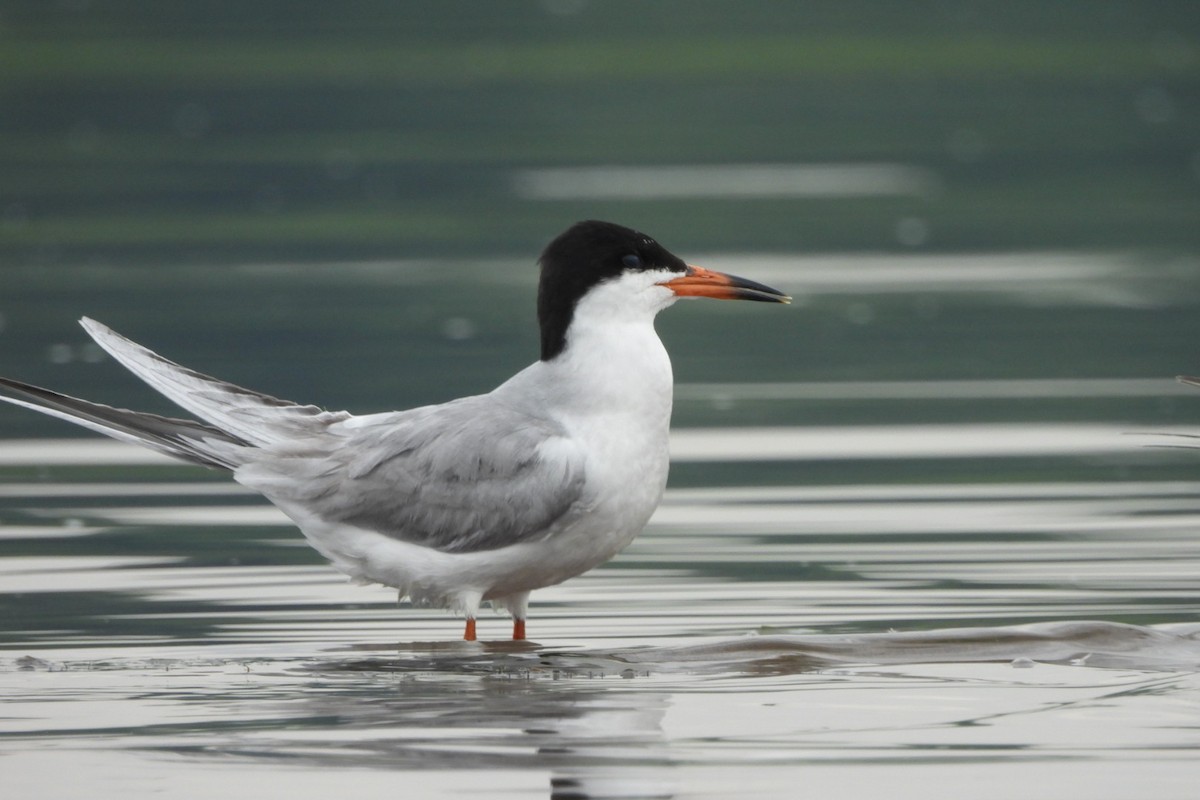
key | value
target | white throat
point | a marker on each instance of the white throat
(614, 370)
(614, 361)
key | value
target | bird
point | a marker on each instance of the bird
(485, 498)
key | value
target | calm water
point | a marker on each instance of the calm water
(920, 541)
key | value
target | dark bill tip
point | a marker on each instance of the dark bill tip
(701, 282)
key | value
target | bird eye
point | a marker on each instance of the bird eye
(632, 261)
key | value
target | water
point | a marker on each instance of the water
(857, 639)
(921, 540)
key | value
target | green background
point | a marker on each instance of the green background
(215, 131)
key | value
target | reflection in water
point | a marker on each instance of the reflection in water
(1092, 644)
(933, 390)
(775, 443)
(724, 180)
(661, 722)
(554, 713)
(968, 440)
(754, 637)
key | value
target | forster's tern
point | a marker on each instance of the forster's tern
(482, 498)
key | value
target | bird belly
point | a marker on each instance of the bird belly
(459, 580)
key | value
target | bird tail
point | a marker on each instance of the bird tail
(239, 420)
(181, 438)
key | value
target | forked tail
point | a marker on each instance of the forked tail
(180, 438)
(238, 420)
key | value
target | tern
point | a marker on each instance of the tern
(481, 499)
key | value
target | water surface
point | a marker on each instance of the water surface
(938, 563)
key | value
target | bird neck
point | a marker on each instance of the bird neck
(611, 370)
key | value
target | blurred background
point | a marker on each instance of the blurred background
(151, 132)
(328, 203)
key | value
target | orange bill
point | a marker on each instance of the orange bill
(701, 282)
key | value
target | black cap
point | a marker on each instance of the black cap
(586, 254)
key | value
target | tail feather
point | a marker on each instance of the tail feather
(245, 414)
(180, 438)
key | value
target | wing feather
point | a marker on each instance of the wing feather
(461, 477)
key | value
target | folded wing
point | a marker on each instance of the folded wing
(465, 476)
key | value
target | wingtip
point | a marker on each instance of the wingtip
(1188, 379)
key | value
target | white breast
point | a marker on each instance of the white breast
(610, 390)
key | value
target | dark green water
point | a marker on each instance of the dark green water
(214, 131)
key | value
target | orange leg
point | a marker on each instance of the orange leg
(470, 632)
(518, 629)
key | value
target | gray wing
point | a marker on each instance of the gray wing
(465, 476)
